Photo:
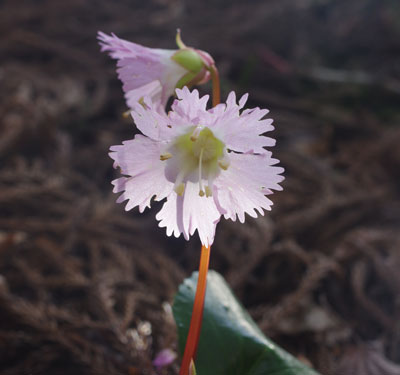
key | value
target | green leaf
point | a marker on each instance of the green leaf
(230, 342)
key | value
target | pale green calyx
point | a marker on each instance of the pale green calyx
(196, 63)
(189, 59)
(201, 152)
(201, 142)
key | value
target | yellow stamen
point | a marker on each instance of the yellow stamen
(165, 156)
(208, 191)
(142, 103)
(180, 189)
(201, 192)
(196, 133)
(224, 164)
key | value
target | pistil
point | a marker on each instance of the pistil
(223, 163)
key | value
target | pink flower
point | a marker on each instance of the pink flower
(206, 163)
(155, 72)
(164, 358)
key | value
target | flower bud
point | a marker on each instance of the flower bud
(196, 62)
(155, 72)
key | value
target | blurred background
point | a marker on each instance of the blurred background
(86, 288)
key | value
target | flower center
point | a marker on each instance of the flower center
(200, 155)
(201, 145)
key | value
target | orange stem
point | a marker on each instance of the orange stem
(197, 313)
(193, 337)
(216, 90)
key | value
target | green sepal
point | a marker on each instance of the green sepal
(189, 59)
(178, 40)
(186, 80)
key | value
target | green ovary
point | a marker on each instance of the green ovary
(204, 146)
(197, 151)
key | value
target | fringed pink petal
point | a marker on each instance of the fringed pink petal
(242, 187)
(140, 160)
(188, 213)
